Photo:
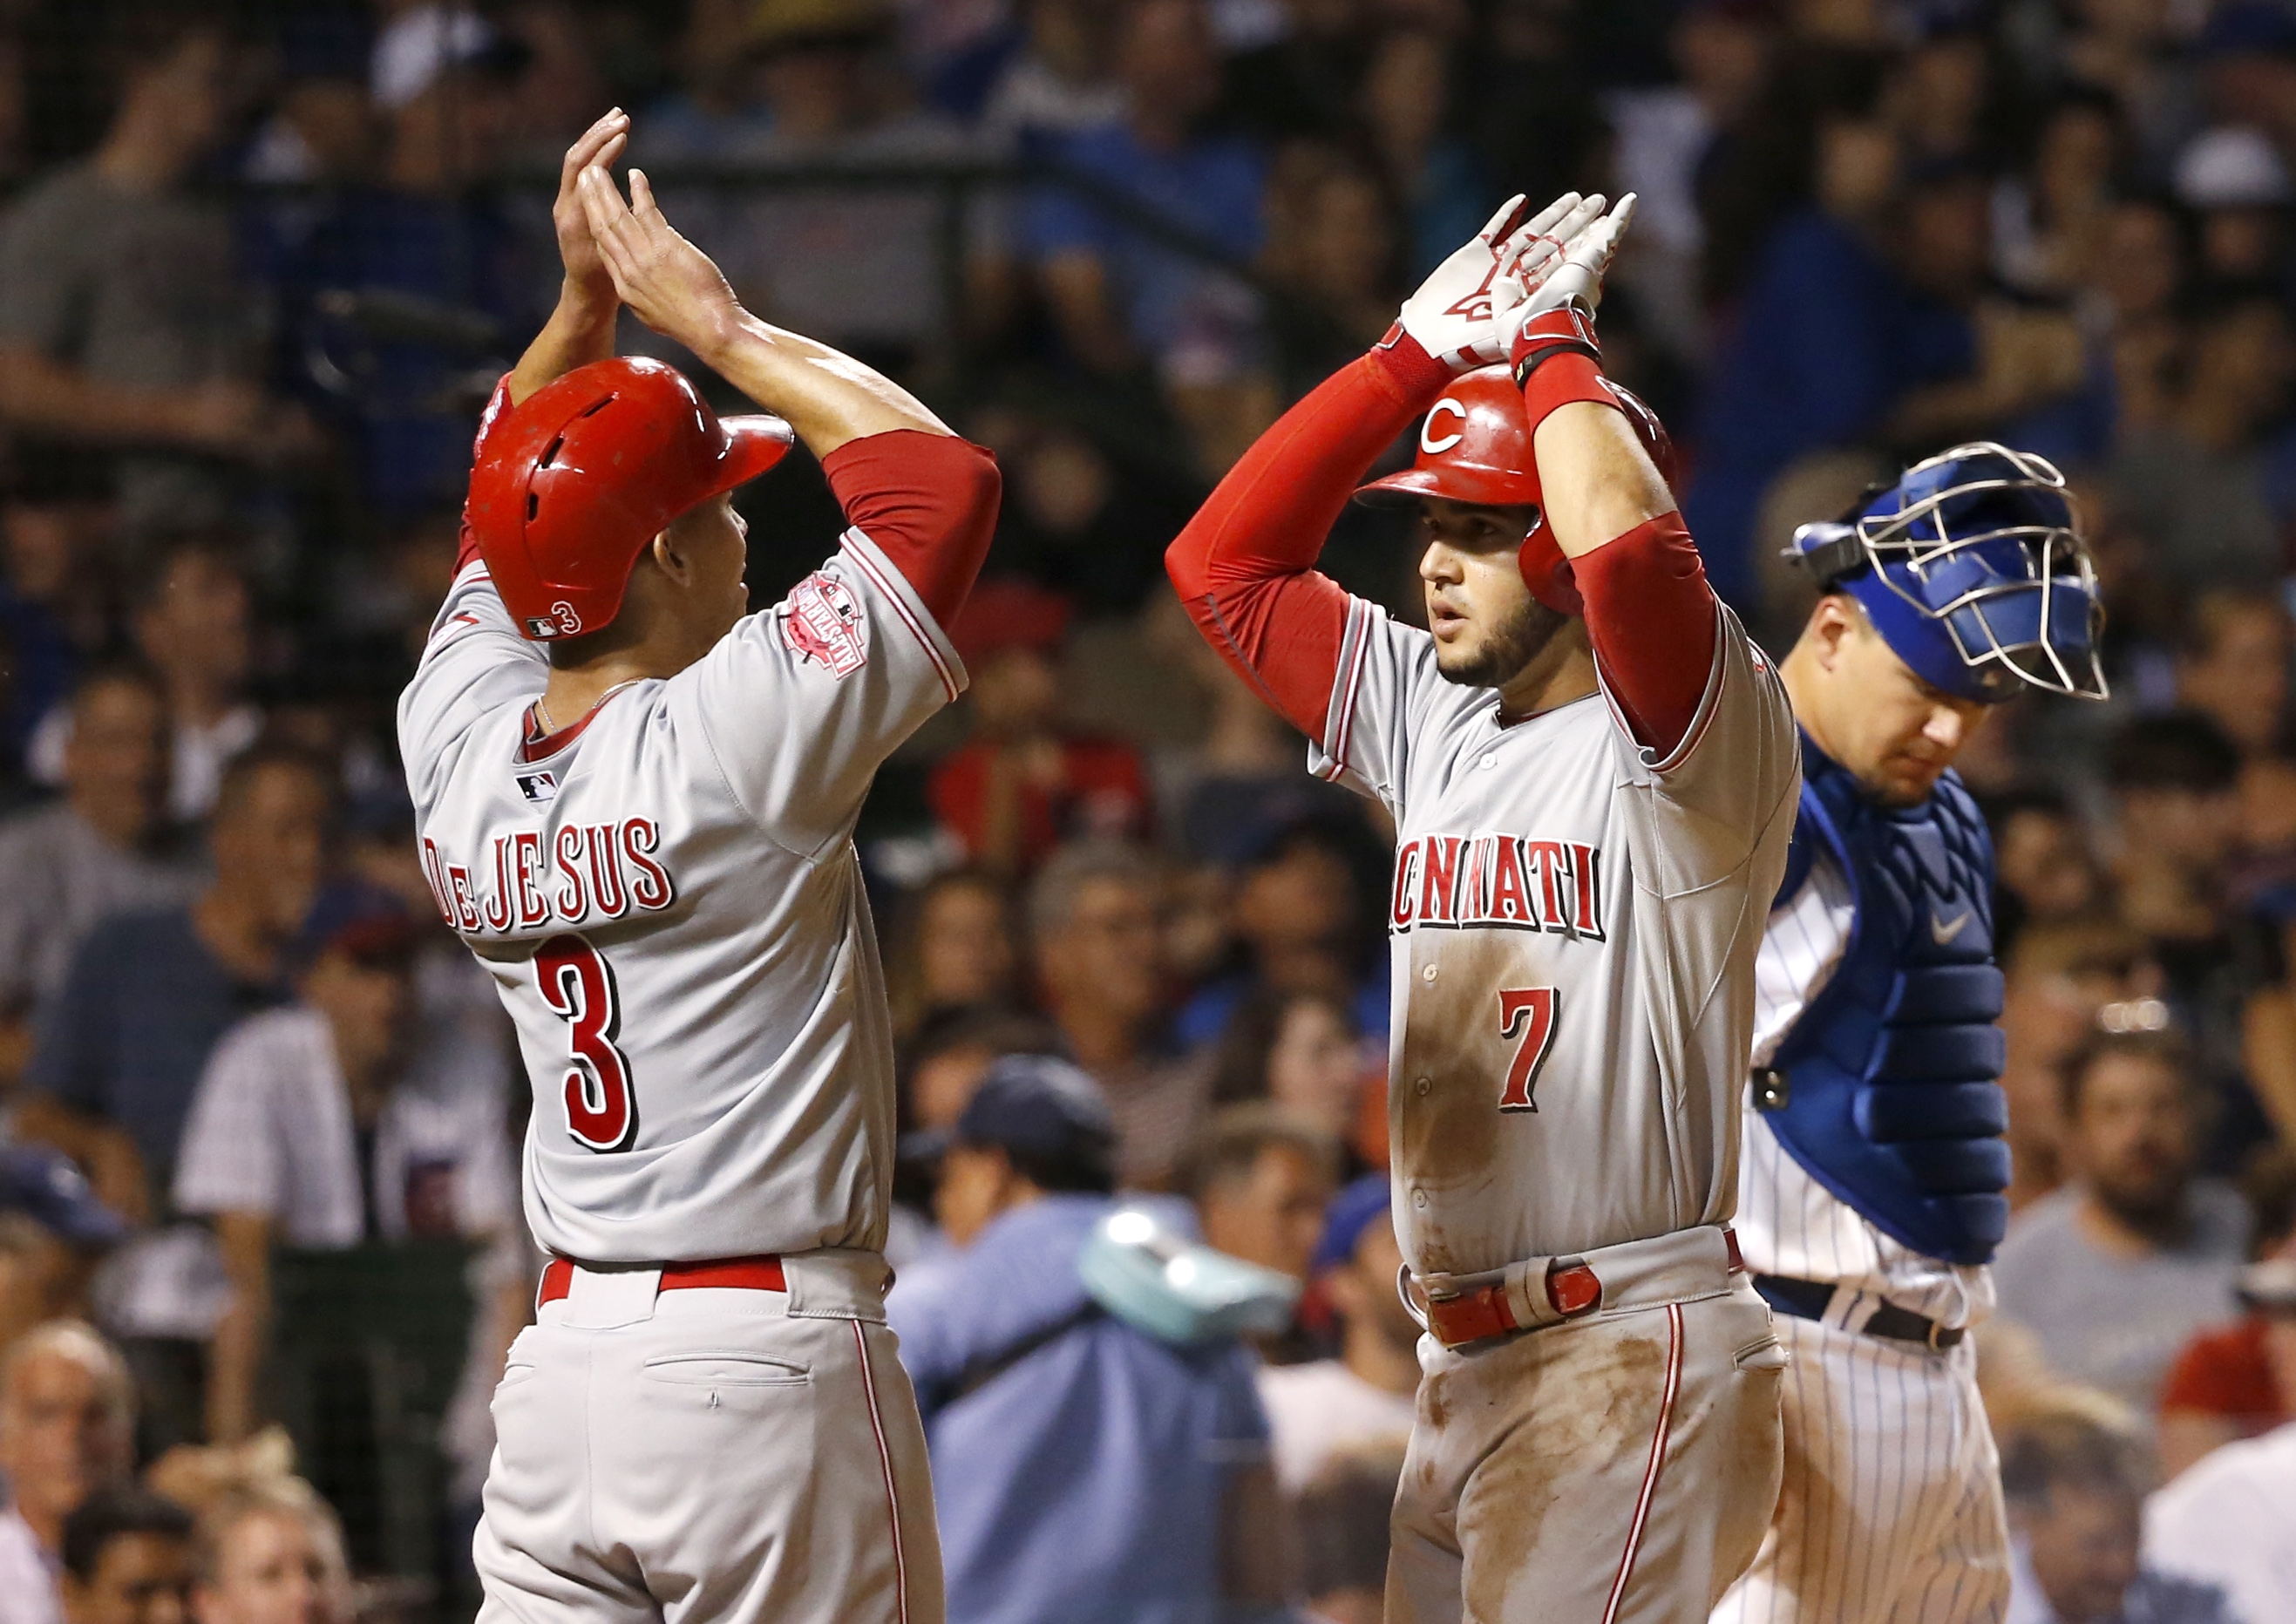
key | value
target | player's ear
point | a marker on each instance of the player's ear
(1833, 622)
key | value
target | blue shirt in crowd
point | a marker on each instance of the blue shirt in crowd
(1829, 339)
(1212, 186)
(1079, 1466)
(128, 1036)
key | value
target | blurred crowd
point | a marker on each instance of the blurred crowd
(259, 265)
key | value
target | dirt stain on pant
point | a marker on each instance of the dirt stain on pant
(1580, 1435)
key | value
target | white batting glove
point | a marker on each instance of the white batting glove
(1543, 277)
(1450, 317)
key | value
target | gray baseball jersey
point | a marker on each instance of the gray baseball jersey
(1574, 924)
(668, 899)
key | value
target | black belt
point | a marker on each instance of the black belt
(1809, 1299)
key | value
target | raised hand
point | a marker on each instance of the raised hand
(1450, 317)
(599, 146)
(672, 286)
(1549, 270)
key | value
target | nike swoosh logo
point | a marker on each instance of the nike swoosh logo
(1942, 931)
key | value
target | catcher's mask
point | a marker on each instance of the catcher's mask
(1970, 567)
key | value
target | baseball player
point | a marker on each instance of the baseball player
(1871, 1182)
(1592, 773)
(636, 803)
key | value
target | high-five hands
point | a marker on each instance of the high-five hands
(599, 146)
(1547, 293)
(1450, 317)
(672, 286)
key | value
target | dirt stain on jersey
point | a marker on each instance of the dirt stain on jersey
(1448, 1126)
(1580, 1412)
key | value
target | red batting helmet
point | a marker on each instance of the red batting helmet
(1475, 447)
(576, 482)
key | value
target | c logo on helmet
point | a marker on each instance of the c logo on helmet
(569, 622)
(1428, 440)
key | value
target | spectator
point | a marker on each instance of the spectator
(2053, 222)
(102, 848)
(941, 1068)
(2227, 1524)
(1261, 1180)
(2239, 1380)
(2195, 483)
(1298, 922)
(2238, 185)
(2117, 1269)
(194, 626)
(271, 1553)
(2232, 667)
(1054, 1426)
(953, 946)
(1435, 176)
(127, 1559)
(2175, 783)
(1093, 927)
(1867, 318)
(861, 269)
(1086, 524)
(1302, 1052)
(122, 322)
(1023, 783)
(120, 1052)
(54, 531)
(1119, 298)
(2061, 978)
(2076, 1492)
(1057, 83)
(1341, 1517)
(67, 1427)
(332, 1122)
(1321, 1411)
(436, 276)
(54, 1233)
(2044, 871)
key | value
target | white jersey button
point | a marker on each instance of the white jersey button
(1490, 759)
(1419, 1200)
(1427, 974)
(1421, 1085)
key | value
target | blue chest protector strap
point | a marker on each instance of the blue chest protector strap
(1892, 1099)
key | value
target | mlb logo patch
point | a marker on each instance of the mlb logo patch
(538, 788)
(821, 624)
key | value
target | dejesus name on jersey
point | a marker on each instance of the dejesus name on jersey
(668, 898)
(1574, 928)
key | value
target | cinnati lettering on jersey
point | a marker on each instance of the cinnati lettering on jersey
(585, 875)
(1498, 881)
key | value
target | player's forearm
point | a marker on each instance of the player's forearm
(1598, 481)
(1271, 513)
(1244, 566)
(826, 396)
(580, 330)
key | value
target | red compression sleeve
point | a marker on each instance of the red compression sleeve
(1244, 564)
(1653, 622)
(929, 501)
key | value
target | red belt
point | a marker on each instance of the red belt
(723, 1274)
(1572, 1289)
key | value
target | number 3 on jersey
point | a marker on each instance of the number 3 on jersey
(1526, 1013)
(578, 985)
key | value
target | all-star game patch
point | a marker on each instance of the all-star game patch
(821, 622)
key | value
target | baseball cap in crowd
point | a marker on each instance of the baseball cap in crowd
(364, 921)
(1351, 1213)
(1047, 1115)
(44, 1186)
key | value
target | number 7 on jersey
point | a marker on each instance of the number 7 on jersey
(1526, 1013)
(601, 1113)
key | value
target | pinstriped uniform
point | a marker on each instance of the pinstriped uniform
(1890, 1508)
